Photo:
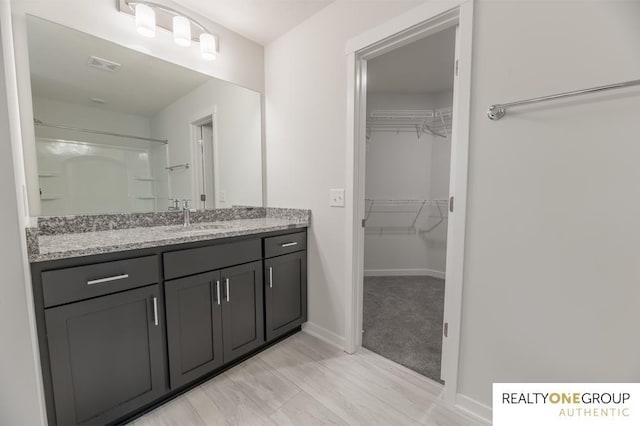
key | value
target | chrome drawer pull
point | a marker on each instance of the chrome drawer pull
(106, 280)
(227, 283)
(218, 290)
(270, 277)
(155, 311)
(295, 243)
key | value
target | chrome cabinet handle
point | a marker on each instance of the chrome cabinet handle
(270, 277)
(227, 284)
(106, 280)
(295, 243)
(218, 290)
(155, 311)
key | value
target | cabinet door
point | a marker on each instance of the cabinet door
(106, 356)
(194, 326)
(285, 293)
(242, 311)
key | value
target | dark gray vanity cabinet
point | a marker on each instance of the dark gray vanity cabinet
(122, 332)
(242, 310)
(106, 356)
(285, 283)
(194, 326)
(213, 317)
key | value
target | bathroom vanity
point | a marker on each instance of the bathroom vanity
(134, 308)
(129, 318)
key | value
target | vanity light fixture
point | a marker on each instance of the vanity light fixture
(185, 29)
(145, 20)
(181, 31)
(208, 46)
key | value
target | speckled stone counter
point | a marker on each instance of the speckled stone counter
(74, 236)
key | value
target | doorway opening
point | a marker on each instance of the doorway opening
(408, 156)
(422, 22)
(205, 159)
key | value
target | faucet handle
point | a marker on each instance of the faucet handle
(185, 205)
(174, 204)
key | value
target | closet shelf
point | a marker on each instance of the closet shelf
(435, 122)
(412, 208)
(48, 174)
(51, 197)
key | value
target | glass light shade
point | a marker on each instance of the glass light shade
(145, 20)
(208, 47)
(181, 31)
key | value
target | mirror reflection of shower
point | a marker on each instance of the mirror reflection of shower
(90, 171)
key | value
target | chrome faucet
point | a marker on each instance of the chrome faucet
(186, 213)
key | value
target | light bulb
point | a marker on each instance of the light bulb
(145, 20)
(181, 31)
(208, 46)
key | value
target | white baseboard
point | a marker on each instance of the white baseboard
(474, 408)
(422, 272)
(325, 335)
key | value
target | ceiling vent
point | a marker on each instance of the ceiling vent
(102, 64)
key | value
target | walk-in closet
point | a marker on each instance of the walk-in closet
(408, 158)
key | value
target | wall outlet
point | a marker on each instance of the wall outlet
(336, 197)
(222, 196)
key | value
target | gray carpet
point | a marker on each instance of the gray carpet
(402, 318)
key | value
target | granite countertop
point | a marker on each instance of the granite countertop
(60, 245)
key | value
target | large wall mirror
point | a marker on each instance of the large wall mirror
(120, 131)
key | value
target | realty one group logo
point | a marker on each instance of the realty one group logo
(572, 404)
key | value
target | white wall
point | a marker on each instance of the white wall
(238, 135)
(305, 119)
(553, 232)
(74, 115)
(551, 277)
(21, 400)
(399, 166)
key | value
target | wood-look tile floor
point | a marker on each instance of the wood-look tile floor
(303, 381)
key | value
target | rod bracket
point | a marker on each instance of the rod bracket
(496, 112)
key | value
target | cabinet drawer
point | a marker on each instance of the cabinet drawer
(83, 282)
(283, 244)
(194, 261)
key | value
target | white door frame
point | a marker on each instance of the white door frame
(418, 23)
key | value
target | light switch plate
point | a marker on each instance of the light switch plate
(336, 197)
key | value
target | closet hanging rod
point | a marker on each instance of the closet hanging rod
(497, 111)
(98, 132)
